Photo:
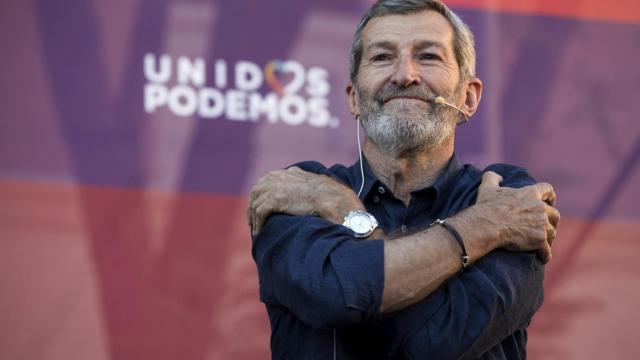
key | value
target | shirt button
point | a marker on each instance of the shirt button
(403, 228)
(381, 189)
(376, 199)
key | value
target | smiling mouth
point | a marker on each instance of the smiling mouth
(405, 98)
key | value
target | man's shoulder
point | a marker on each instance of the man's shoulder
(512, 175)
(338, 170)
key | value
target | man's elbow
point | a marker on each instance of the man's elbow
(330, 315)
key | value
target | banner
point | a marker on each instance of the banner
(132, 132)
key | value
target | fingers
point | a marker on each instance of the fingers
(545, 253)
(488, 186)
(275, 192)
(251, 213)
(251, 207)
(264, 185)
(551, 227)
(297, 171)
(553, 219)
(259, 189)
(297, 192)
(262, 214)
(546, 193)
(553, 215)
(551, 234)
(490, 180)
(262, 208)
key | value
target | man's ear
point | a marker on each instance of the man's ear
(352, 97)
(473, 93)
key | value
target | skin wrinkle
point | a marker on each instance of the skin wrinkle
(405, 134)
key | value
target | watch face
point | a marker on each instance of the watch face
(360, 223)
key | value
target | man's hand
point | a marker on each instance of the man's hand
(526, 218)
(297, 192)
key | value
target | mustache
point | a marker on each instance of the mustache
(390, 91)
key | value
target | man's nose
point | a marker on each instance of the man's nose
(406, 73)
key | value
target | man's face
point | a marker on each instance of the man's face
(406, 61)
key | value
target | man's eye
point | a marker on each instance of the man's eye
(381, 57)
(429, 56)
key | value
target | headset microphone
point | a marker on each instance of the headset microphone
(441, 101)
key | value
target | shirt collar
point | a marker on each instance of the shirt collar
(371, 181)
(446, 179)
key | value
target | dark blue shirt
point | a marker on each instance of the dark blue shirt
(322, 287)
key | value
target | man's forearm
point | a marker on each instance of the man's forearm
(417, 264)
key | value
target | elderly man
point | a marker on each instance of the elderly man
(407, 253)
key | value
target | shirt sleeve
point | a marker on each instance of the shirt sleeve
(318, 271)
(475, 310)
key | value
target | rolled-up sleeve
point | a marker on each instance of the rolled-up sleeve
(318, 271)
(474, 311)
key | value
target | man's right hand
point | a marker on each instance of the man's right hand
(297, 192)
(525, 218)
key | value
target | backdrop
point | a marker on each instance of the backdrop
(132, 131)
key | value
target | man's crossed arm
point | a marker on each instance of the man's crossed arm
(523, 219)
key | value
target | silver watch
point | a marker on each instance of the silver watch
(361, 223)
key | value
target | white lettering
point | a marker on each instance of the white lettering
(236, 105)
(317, 84)
(211, 103)
(154, 96)
(293, 109)
(221, 74)
(319, 115)
(248, 76)
(191, 71)
(183, 100)
(297, 82)
(161, 75)
(300, 96)
(267, 105)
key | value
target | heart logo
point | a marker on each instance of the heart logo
(285, 77)
(271, 72)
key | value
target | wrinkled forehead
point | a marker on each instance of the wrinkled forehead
(418, 28)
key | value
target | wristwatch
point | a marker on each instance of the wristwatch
(361, 223)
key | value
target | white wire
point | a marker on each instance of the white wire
(335, 356)
(360, 155)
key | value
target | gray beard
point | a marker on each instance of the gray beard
(405, 128)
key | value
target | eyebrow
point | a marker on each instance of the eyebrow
(390, 46)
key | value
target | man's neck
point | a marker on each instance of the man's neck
(409, 171)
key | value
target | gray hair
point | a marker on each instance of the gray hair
(463, 46)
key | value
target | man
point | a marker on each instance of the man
(388, 283)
